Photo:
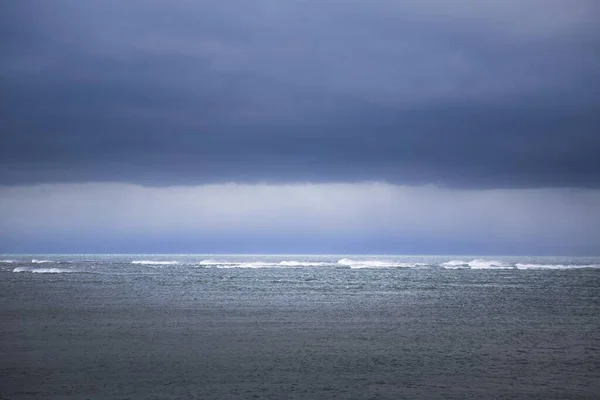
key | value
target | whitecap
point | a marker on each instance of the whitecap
(152, 262)
(489, 264)
(215, 263)
(249, 265)
(7, 261)
(261, 264)
(555, 266)
(455, 264)
(366, 264)
(231, 264)
(34, 261)
(302, 264)
(43, 270)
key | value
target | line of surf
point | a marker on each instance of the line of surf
(373, 264)
(260, 264)
(154, 262)
(555, 266)
(43, 270)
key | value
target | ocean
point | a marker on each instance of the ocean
(299, 327)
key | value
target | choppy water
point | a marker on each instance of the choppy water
(255, 326)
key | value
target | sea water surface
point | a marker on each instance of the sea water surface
(299, 326)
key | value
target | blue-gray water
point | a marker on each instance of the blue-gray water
(301, 327)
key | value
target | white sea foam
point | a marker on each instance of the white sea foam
(366, 264)
(151, 262)
(215, 262)
(489, 264)
(34, 261)
(43, 270)
(555, 266)
(250, 265)
(387, 266)
(302, 264)
(7, 261)
(260, 264)
(476, 264)
(455, 264)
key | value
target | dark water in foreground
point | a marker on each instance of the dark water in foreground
(299, 327)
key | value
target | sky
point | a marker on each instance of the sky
(340, 126)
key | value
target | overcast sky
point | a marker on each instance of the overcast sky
(436, 126)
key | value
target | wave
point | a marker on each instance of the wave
(455, 264)
(303, 264)
(366, 263)
(489, 264)
(151, 262)
(249, 265)
(43, 270)
(34, 261)
(260, 264)
(214, 262)
(476, 264)
(388, 266)
(7, 261)
(555, 266)
(371, 264)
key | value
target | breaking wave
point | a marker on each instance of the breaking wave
(248, 265)
(489, 264)
(476, 264)
(260, 264)
(34, 261)
(455, 264)
(7, 261)
(43, 270)
(214, 262)
(151, 262)
(303, 264)
(555, 266)
(366, 264)
(495, 264)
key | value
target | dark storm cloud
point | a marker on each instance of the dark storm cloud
(456, 93)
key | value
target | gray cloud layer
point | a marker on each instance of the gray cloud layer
(456, 93)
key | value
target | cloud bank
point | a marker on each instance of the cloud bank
(461, 94)
(300, 126)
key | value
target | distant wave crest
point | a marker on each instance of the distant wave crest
(302, 264)
(260, 264)
(366, 264)
(215, 263)
(43, 270)
(555, 266)
(489, 264)
(249, 265)
(455, 264)
(495, 264)
(34, 261)
(476, 264)
(152, 262)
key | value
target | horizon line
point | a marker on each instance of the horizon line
(304, 254)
